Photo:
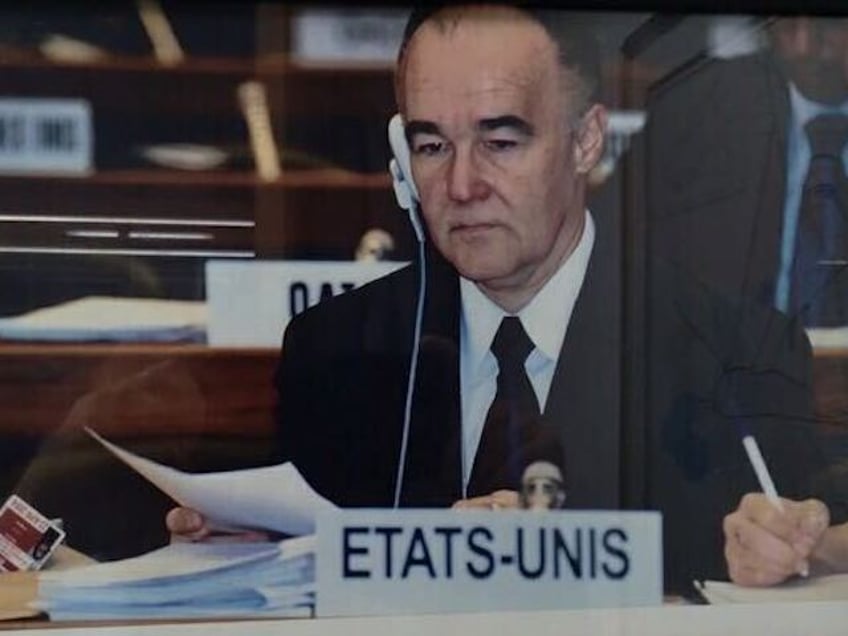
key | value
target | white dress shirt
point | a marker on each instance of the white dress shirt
(798, 152)
(545, 319)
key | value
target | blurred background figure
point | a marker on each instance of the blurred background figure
(375, 245)
(749, 150)
(746, 149)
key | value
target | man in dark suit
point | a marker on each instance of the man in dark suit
(729, 147)
(502, 140)
(737, 152)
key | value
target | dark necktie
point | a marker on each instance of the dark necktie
(513, 417)
(821, 236)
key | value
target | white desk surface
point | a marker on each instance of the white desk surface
(789, 619)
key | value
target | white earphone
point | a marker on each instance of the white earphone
(407, 198)
(401, 171)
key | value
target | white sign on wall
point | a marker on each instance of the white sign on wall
(45, 135)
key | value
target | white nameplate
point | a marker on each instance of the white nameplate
(251, 302)
(44, 135)
(434, 561)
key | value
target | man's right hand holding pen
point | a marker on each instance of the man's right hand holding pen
(766, 544)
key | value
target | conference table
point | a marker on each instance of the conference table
(175, 391)
(674, 617)
(775, 619)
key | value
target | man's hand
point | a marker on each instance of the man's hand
(500, 499)
(186, 524)
(765, 546)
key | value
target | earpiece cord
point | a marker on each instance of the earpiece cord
(413, 361)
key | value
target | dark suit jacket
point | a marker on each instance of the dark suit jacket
(342, 383)
(715, 159)
(716, 165)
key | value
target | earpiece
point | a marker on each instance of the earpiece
(407, 198)
(401, 171)
(400, 166)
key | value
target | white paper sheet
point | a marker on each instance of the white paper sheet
(270, 498)
(828, 338)
(819, 588)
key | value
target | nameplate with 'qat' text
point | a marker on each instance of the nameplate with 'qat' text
(372, 562)
(275, 291)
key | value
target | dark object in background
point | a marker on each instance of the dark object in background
(220, 29)
(30, 281)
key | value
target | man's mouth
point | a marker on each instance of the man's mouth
(472, 229)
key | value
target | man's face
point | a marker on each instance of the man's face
(495, 162)
(814, 54)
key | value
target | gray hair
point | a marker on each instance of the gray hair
(577, 48)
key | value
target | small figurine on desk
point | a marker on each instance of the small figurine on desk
(542, 487)
(375, 245)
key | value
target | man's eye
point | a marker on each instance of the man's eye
(428, 148)
(499, 145)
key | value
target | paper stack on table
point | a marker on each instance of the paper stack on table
(191, 580)
(188, 580)
(817, 588)
(110, 319)
(18, 590)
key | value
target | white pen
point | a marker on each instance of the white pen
(755, 457)
(763, 475)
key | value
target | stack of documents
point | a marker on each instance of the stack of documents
(188, 580)
(195, 580)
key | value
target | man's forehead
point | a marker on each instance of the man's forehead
(473, 66)
(475, 44)
(490, 94)
(450, 17)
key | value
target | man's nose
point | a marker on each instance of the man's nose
(465, 183)
(803, 36)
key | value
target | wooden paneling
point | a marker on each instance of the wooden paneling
(136, 391)
(328, 124)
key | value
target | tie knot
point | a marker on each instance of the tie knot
(828, 134)
(511, 345)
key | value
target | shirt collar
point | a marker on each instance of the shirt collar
(805, 109)
(545, 318)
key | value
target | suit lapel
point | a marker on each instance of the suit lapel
(584, 401)
(433, 471)
(716, 172)
(766, 169)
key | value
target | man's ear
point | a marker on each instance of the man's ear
(589, 138)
